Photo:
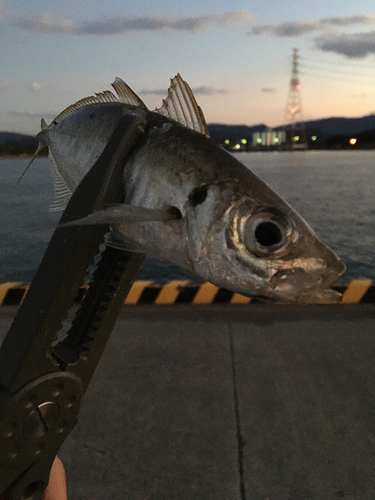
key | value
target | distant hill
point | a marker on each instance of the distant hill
(13, 137)
(326, 129)
(343, 126)
(13, 144)
(325, 126)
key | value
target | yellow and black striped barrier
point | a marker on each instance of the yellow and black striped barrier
(188, 292)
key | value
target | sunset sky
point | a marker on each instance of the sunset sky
(235, 55)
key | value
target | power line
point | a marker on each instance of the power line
(310, 73)
(335, 71)
(331, 63)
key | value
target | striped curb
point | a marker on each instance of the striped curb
(187, 292)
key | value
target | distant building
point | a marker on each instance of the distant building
(278, 137)
(269, 138)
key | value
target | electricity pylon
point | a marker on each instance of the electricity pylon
(294, 125)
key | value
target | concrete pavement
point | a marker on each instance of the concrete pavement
(229, 402)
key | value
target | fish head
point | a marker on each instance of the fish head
(259, 246)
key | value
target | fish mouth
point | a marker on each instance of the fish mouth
(325, 296)
(320, 296)
(298, 286)
(316, 296)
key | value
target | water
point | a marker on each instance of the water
(333, 191)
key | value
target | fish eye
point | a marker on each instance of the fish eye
(267, 232)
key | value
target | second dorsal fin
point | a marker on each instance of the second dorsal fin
(181, 106)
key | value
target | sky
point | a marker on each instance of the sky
(236, 56)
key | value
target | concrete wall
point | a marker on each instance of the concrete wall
(229, 402)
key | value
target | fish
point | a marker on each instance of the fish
(189, 201)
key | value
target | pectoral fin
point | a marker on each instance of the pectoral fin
(121, 214)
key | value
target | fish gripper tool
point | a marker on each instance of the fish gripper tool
(43, 374)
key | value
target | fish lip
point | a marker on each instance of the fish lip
(320, 296)
(324, 296)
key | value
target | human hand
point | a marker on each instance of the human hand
(56, 489)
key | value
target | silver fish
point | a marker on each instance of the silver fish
(188, 201)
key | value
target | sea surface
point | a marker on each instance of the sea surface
(333, 190)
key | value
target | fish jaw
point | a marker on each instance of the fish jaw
(275, 282)
(308, 280)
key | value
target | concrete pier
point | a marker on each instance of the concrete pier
(229, 402)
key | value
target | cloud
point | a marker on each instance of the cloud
(123, 24)
(296, 28)
(36, 86)
(268, 90)
(196, 91)
(161, 92)
(355, 45)
(300, 28)
(4, 84)
(44, 22)
(208, 91)
(349, 20)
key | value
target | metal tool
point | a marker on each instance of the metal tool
(42, 377)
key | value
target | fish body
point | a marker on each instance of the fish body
(188, 201)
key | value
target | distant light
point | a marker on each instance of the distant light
(237, 146)
(227, 141)
(259, 140)
(296, 138)
(243, 141)
(313, 138)
(276, 139)
(352, 141)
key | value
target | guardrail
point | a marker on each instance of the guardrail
(188, 292)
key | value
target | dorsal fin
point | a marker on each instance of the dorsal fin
(181, 106)
(126, 94)
(105, 96)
